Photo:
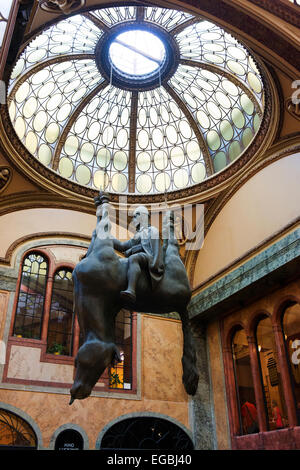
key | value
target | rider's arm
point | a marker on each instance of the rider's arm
(122, 246)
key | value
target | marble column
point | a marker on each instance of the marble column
(201, 403)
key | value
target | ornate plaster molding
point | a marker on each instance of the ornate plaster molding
(293, 108)
(5, 177)
(61, 6)
(287, 12)
(69, 238)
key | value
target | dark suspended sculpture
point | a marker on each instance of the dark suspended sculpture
(151, 278)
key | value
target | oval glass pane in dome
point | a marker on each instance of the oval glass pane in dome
(135, 99)
(137, 52)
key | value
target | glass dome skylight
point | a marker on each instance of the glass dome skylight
(137, 52)
(135, 99)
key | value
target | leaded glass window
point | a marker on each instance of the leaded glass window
(30, 306)
(136, 99)
(61, 318)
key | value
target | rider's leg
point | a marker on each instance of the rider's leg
(136, 263)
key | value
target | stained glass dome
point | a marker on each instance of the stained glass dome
(137, 100)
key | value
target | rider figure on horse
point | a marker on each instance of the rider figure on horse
(144, 252)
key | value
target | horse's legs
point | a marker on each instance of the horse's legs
(136, 263)
(190, 375)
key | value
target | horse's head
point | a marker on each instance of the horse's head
(92, 359)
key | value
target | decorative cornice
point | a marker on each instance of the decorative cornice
(228, 289)
(6, 260)
(285, 11)
(293, 108)
(61, 6)
(32, 200)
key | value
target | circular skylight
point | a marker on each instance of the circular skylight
(136, 99)
(137, 52)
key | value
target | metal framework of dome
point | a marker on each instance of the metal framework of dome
(77, 111)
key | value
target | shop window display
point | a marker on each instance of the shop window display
(244, 384)
(291, 331)
(270, 374)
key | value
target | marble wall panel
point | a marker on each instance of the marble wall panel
(24, 363)
(162, 352)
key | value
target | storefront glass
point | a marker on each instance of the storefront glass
(244, 384)
(270, 373)
(291, 331)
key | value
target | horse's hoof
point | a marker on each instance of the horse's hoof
(128, 296)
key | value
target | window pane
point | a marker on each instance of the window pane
(291, 329)
(244, 384)
(15, 432)
(272, 384)
(61, 319)
(120, 376)
(30, 305)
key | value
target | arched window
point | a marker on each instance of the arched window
(61, 317)
(120, 376)
(69, 439)
(270, 374)
(244, 383)
(30, 306)
(291, 331)
(15, 431)
(146, 433)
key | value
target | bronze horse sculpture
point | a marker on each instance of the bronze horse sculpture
(98, 280)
